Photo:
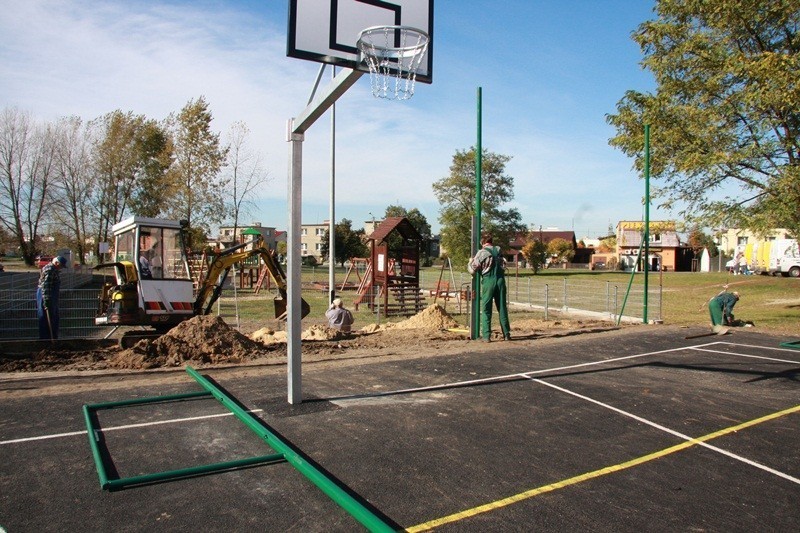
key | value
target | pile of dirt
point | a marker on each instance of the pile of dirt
(316, 332)
(432, 317)
(204, 339)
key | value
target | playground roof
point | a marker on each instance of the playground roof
(401, 224)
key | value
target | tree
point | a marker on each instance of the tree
(698, 240)
(199, 188)
(245, 173)
(726, 111)
(153, 187)
(117, 163)
(560, 250)
(608, 245)
(73, 185)
(535, 254)
(456, 195)
(26, 175)
(420, 223)
(347, 243)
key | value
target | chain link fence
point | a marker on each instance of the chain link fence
(77, 307)
(599, 299)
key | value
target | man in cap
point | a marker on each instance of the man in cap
(490, 264)
(721, 309)
(47, 298)
(339, 317)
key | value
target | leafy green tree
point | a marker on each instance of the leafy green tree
(535, 253)
(420, 223)
(726, 112)
(698, 240)
(153, 187)
(199, 157)
(560, 250)
(456, 195)
(117, 163)
(348, 243)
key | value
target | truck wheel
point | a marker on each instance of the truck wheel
(794, 272)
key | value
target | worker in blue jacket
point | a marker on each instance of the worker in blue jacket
(47, 298)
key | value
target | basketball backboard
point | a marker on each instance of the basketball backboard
(327, 30)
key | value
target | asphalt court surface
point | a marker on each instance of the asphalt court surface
(635, 430)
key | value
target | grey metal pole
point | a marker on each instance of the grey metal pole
(293, 279)
(332, 215)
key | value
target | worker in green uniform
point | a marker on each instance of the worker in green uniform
(489, 264)
(721, 308)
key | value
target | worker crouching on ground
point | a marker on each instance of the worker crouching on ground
(339, 318)
(47, 298)
(490, 265)
(721, 309)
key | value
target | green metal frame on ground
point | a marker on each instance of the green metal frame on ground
(795, 345)
(284, 453)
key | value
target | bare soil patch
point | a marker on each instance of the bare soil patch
(207, 341)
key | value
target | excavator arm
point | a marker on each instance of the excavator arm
(211, 286)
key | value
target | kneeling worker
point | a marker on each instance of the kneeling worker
(339, 317)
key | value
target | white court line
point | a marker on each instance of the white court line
(757, 346)
(672, 432)
(376, 395)
(745, 355)
(118, 428)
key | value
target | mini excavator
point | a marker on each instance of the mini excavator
(154, 287)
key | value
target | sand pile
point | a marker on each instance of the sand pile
(432, 317)
(203, 339)
(314, 333)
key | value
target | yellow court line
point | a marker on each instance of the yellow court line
(427, 526)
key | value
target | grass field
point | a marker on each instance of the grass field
(772, 303)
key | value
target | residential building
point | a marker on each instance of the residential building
(244, 233)
(665, 249)
(311, 239)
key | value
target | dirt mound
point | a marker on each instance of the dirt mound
(432, 317)
(203, 339)
(314, 333)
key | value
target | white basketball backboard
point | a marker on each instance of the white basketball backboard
(327, 30)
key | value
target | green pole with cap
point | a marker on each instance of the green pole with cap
(475, 323)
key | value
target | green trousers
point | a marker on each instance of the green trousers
(716, 312)
(493, 289)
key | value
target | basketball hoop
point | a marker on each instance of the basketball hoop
(393, 55)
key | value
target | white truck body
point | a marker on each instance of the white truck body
(789, 263)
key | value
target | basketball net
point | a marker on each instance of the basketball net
(393, 55)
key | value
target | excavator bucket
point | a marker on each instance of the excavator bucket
(280, 308)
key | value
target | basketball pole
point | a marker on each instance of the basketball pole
(332, 216)
(475, 323)
(296, 129)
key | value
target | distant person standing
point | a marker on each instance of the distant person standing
(489, 263)
(47, 298)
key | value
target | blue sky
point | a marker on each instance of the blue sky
(549, 71)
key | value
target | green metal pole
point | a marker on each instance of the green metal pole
(646, 216)
(347, 502)
(630, 282)
(192, 471)
(476, 237)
